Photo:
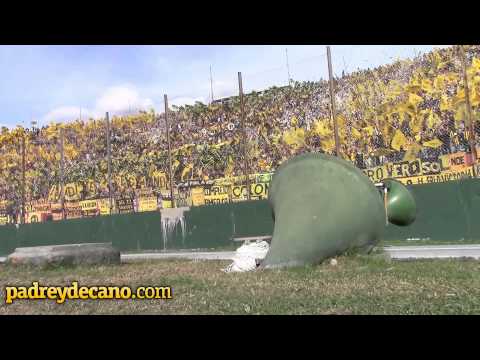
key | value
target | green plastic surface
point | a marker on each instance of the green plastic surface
(323, 206)
(401, 206)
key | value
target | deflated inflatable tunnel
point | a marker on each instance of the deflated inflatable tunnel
(323, 206)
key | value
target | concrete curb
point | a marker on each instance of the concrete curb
(392, 252)
(74, 254)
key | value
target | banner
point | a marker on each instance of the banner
(104, 206)
(39, 206)
(73, 191)
(73, 210)
(159, 180)
(89, 208)
(263, 178)
(56, 209)
(3, 212)
(124, 205)
(144, 192)
(258, 191)
(37, 211)
(90, 189)
(166, 204)
(443, 177)
(198, 196)
(417, 167)
(477, 170)
(225, 190)
(33, 217)
(147, 203)
(216, 194)
(183, 197)
(456, 161)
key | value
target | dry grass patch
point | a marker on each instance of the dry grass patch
(357, 285)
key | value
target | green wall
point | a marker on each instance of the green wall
(210, 226)
(446, 212)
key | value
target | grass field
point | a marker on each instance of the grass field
(357, 285)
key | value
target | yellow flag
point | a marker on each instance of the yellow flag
(427, 86)
(328, 144)
(322, 129)
(442, 65)
(436, 59)
(294, 121)
(294, 137)
(445, 104)
(414, 99)
(412, 152)
(186, 171)
(356, 134)
(435, 143)
(474, 97)
(398, 140)
(433, 120)
(369, 130)
(459, 97)
(275, 139)
(415, 123)
(439, 82)
(175, 164)
(476, 64)
(460, 113)
(360, 88)
(451, 76)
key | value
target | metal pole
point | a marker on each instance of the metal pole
(332, 103)
(244, 135)
(385, 203)
(109, 163)
(211, 83)
(288, 67)
(62, 174)
(470, 129)
(22, 220)
(165, 100)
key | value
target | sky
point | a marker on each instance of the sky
(62, 83)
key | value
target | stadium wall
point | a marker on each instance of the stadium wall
(446, 212)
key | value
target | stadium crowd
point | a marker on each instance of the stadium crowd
(408, 109)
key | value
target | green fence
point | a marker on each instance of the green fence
(206, 227)
(446, 212)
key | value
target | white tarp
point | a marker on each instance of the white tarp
(246, 256)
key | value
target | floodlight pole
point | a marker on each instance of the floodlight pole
(62, 173)
(211, 84)
(288, 66)
(22, 219)
(170, 172)
(470, 129)
(244, 135)
(332, 103)
(109, 163)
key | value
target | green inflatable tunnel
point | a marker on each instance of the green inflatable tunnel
(401, 206)
(324, 206)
